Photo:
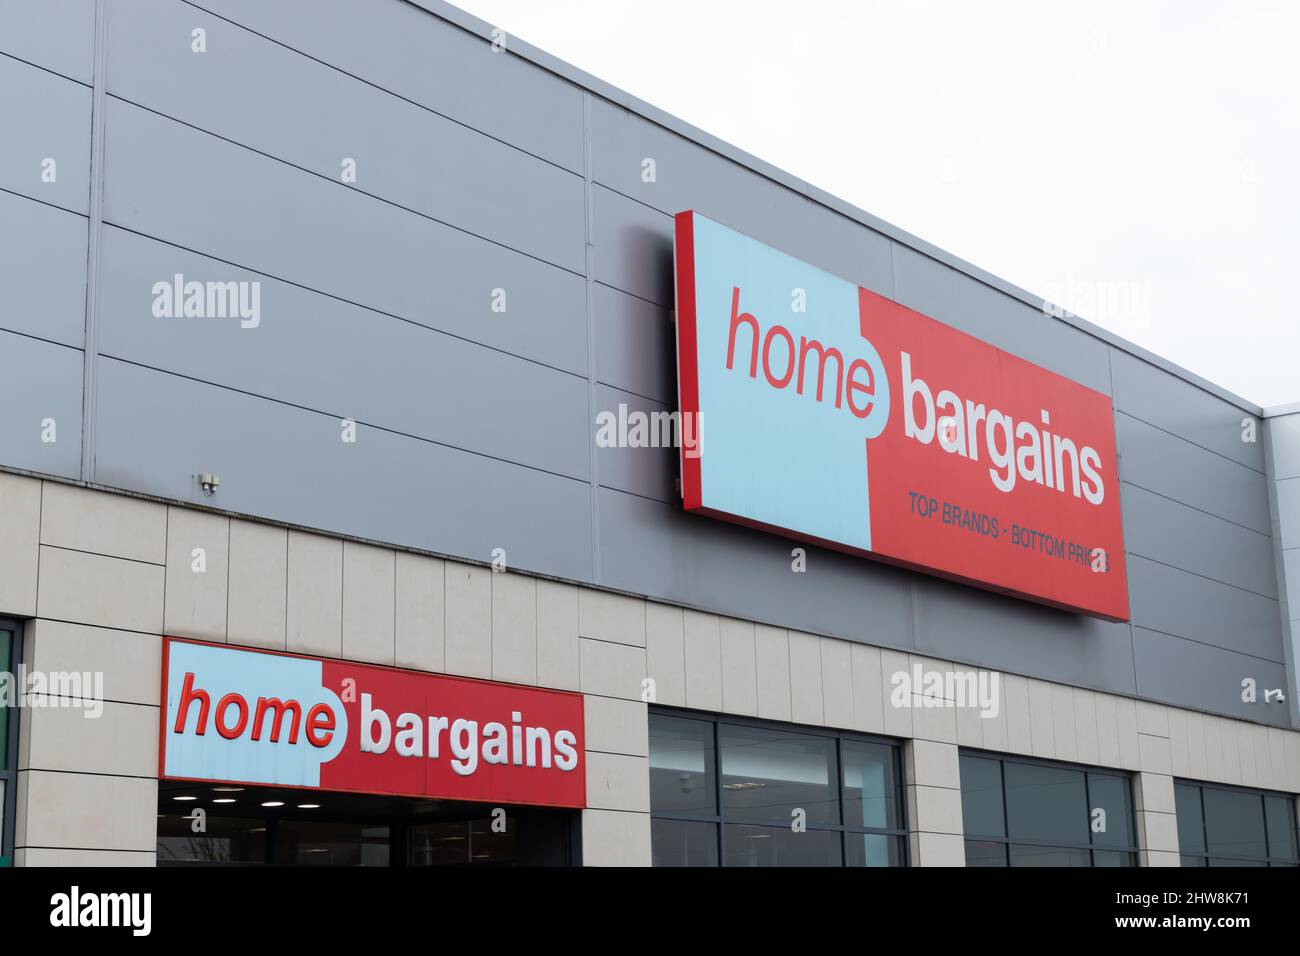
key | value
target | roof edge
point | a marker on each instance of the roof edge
(1277, 411)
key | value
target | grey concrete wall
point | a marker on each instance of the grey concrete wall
(480, 171)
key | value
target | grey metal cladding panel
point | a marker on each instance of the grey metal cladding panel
(342, 360)
(635, 344)
(425, 59)
(649, 471)
(157, 431)
(1168, 402)
(192, 189)
(1014, 327)
(688, 176)
(1170, 466)
(652, 548)
(44, 116)
(924, 285)
(313, 116)
(58, 35)
(1201, 677)
(633, 246)
(1181, 603)
(1172, 533)
(1291, 569)
(1284, 433)
(1288, 508)
(42, 270)
(40, 381)
(971, 626)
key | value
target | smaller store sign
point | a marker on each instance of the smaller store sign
(232, 715)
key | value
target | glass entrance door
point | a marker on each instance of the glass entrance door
(214, 825)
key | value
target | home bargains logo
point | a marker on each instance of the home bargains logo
(829, 413)
(259, 717)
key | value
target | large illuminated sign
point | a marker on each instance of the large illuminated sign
(831, 414)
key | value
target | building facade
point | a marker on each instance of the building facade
(428, 259)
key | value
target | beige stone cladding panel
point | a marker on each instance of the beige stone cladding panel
(20, 529)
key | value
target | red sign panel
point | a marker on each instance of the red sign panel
(829, 413)
(260, 717)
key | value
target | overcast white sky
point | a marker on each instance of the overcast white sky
(1133, 161)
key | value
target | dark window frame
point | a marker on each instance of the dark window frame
(9, 769)
(1006, 841)
(1268, 859)
(722, 820)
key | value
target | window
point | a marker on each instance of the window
(727, 792)
(464, 842)
(1030, 813)
(10, 646)
(1231, 826)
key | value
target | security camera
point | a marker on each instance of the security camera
(1274, 696)
(209, 482)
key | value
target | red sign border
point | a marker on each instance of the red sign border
(688, 401)
(162, 724)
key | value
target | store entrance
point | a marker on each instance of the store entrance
(204, 824)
